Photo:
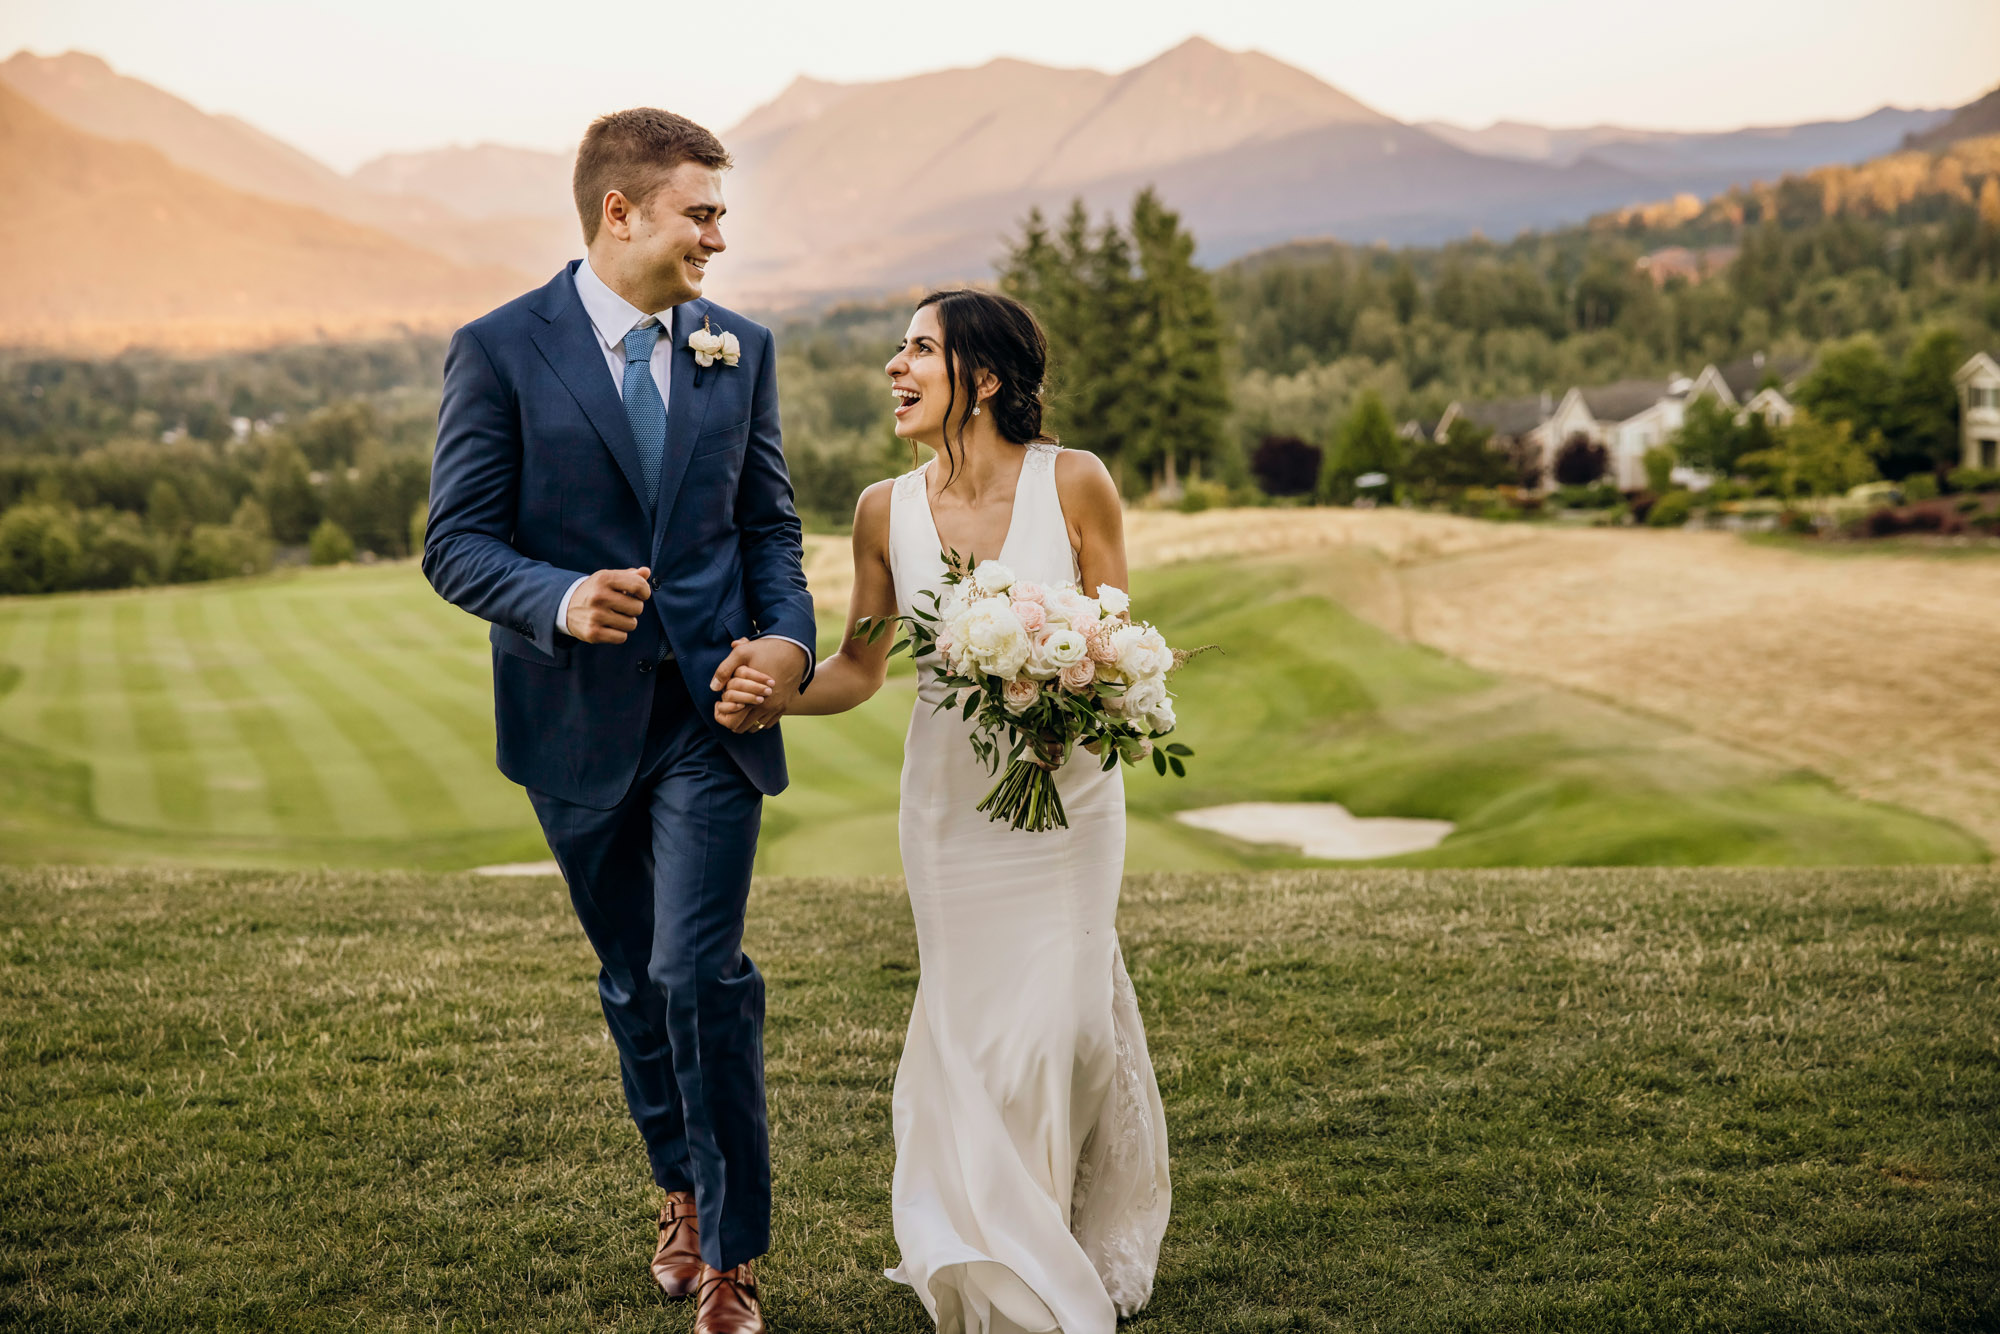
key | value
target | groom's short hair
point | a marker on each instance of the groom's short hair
(632, 152)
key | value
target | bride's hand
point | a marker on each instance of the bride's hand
(746, 688)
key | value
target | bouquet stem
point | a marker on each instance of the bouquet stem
(1026, 796)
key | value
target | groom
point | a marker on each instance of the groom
(622, 515)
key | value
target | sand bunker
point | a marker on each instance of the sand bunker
(1319, 829)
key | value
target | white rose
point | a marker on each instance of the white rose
(1063, 647)
(729, 349)
(1145, 695)
(1140, 652)
(1055, 650)
(1161, 716)
(1113, 600)
(992, 577)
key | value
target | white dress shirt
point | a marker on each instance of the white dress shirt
(612, 317)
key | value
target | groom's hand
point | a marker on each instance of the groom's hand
(770, 666)
(607, 605)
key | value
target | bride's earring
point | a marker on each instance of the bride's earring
(975, 409)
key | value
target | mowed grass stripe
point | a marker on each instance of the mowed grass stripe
(122, 781)
(445, 730)
(418, 798)
(23, 626)
(297, 802)
(440, 633)
(356, 631)
(235, 789)
(60, 683)
(180, 780)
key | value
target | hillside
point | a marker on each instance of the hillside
(1971, 121)
(110, 245)
(1741, 154)
(1251, 149)
(87, 93)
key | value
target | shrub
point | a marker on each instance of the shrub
(330, 544)
(1602, 496)
(225, 551)
(1671, 510)
(1581, 461)
(1976, 479)
(1919, 486)
(40, 550)
(1659, 463)
(1201, 494)
(1285, 465)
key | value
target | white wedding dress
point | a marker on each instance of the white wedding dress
(1031, 1185)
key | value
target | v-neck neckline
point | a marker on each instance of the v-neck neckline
(1013, 512)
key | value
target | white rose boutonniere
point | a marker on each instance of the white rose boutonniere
(710, 346)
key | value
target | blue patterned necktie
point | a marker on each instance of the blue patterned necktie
(644, 408)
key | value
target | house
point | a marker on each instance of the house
(1629, 417)
(1979, 412)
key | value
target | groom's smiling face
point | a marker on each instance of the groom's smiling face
(661, 248)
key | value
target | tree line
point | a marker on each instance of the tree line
(137, 512)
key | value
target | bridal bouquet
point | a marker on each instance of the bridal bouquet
(1043, 670)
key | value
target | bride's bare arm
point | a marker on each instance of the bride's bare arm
(1096, 519)
(852, 675)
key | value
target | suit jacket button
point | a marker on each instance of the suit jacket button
(645, 667)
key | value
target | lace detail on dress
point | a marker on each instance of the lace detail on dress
(1117, 1209)
(909, 484)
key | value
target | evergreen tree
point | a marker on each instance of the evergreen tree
(1366, 442)
(1923, 425)
(1180, 401)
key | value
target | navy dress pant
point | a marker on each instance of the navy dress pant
(659, 882)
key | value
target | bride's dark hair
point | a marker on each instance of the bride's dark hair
(984, 331)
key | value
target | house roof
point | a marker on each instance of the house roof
(1745, 374)
(1989, 362)
(1509, 416)
(1623, 399)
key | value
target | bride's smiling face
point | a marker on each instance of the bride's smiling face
(919, 380)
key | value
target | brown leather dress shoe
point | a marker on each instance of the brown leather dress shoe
(677, 1264)
(727, 1302)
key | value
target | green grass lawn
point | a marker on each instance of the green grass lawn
(1632, 1100)
(343, 717)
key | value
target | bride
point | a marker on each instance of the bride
(1030, 1188)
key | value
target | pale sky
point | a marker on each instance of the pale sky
(348, 79)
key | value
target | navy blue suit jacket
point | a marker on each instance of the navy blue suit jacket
(536, 481)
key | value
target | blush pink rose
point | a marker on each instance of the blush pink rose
(1078, 675)
(1019, 694)
(1032, 615)
(1098, 639)
(1027, 590)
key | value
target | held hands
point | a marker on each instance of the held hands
(607, 605)
(756, 681)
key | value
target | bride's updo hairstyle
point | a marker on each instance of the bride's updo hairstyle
(984, 331)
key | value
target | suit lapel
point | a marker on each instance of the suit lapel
(570, 346)
(687, 406)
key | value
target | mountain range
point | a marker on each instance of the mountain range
(849, 188)
(107, 244)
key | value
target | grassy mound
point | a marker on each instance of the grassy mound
(1585, 1100)
(344, 717)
